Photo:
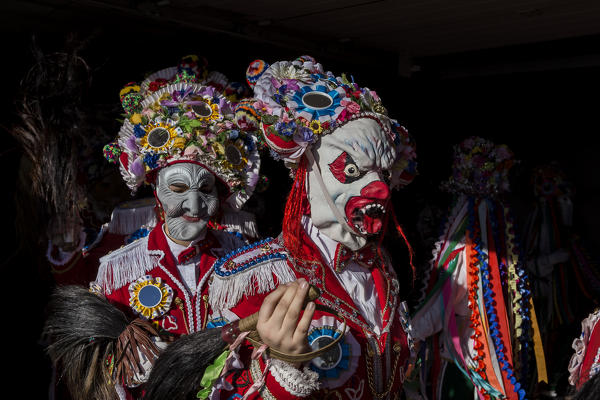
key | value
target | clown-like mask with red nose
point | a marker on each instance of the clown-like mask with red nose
(352, 162)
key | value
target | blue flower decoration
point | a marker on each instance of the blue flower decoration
(248, 142)
(286, 128)
(234, 134)
(306, 134)
(138, 131)
(278, 98)
(151, 160)
(316, 113)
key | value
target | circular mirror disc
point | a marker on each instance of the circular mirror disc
(233, 154)
(202, 110)
(158, 137)
(317, 100)
(150, 296)
(331, 358)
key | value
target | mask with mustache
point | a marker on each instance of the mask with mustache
(188, 195)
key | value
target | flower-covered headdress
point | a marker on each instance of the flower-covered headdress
(480, 168)
(183, 119)
(297, 102)
(550, 181)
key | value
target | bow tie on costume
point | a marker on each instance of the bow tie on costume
(368, 257)
(187, 254)
(195, 249)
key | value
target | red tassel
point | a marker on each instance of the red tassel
(292, 226)
(410, 249)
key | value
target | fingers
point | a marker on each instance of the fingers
(269, 303)
(301, 331)
(279, 323)
(284, 304)
(293, 312)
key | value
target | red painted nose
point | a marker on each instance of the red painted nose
(376, 190)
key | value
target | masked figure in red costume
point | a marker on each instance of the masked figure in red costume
(346, 155)
(181, 137)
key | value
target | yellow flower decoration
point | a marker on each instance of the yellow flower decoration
(234, 155)
(149, 297)
(136, 119)
(159, 137)
(315, 126)
(179, 143)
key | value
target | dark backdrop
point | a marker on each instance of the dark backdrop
(529, 97)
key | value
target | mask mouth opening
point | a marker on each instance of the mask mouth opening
(366, 216)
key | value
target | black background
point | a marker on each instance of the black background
(540, 99)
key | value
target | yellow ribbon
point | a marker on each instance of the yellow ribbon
(538, 347)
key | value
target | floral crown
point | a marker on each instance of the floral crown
(185, 121)
(550, 181)
(296, 102)
(480, 167)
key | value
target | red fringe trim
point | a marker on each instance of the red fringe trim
(294, 207)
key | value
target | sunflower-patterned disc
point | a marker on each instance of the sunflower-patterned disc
(149, 297)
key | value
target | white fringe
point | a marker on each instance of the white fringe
(242, 222)
(226, 292)
(125, 265)
(126, 220)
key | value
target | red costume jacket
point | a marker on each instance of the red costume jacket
(124, 273)
(362, 366)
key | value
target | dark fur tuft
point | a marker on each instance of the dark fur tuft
(177, 373)
(82, 329)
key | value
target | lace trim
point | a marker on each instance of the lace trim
(297, 382)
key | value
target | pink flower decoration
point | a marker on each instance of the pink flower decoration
(352, 106)
(191, 151)
(375, 96)
(262, 107)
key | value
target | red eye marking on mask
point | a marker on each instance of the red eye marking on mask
(337, 167)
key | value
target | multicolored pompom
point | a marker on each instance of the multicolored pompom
(254, 71)
(193, 65)
(131, 87)
(246, 116)
(112, 152)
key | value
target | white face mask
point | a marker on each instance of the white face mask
(351, 161)
(566, 209)
(189, 198)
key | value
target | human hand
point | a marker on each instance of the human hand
(278, 324)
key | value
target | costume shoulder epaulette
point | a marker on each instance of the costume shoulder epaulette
(125, 265)
(253, 269)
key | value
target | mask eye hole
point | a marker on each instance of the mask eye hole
(352, 171)
(206, 188)
(345, 169)
(178, 187)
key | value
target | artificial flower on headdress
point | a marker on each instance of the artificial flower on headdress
(186, 121)
(297, 102)
(550, 181)
(480, 167)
